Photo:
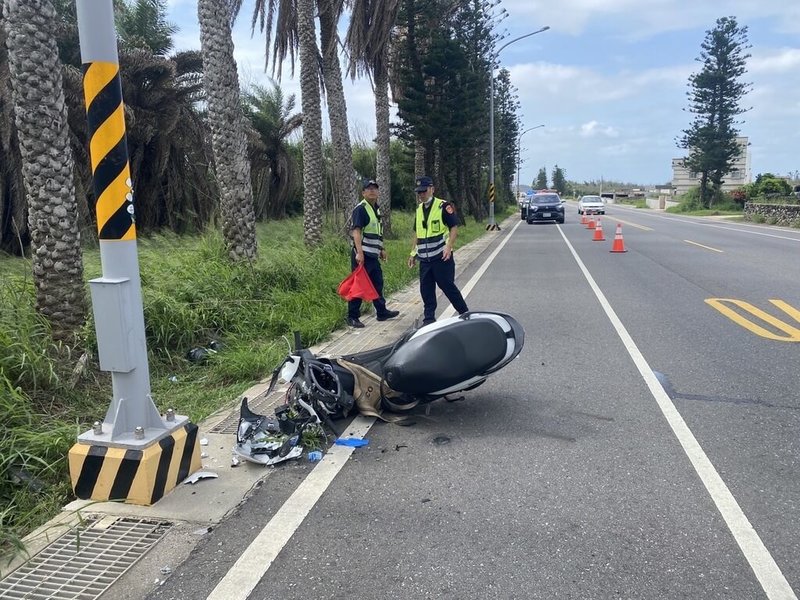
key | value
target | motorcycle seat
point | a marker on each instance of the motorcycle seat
(444, 357)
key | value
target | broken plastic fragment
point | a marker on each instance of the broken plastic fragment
(314, 455)
(204, 442)
(198, 475)
(352, 442)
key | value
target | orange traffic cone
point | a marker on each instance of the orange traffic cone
(598, 232)
(590, 224)
(619, 244)
(583, 218)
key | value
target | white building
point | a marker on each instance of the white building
(683, 180)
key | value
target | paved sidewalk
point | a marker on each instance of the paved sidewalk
(190, 510)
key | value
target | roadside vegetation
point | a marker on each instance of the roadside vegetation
(192, 294)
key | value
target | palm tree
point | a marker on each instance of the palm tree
(273, 168)
(47, 167)
(293, 22)
(344, 176)
(313, 164)
(228, 134)
(368, 40)
(13, 211)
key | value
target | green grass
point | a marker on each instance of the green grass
(704, 212)
(191, 295)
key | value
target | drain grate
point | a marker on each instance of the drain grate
(84, 562)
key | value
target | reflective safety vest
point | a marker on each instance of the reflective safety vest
(372, 233)
(431, 232)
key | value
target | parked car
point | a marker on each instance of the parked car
(523, 208)
(591, 205)
(545, 207)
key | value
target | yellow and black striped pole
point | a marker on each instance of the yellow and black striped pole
(109, 151)
(129, 455)
(492, 225)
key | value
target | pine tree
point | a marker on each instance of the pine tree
(541, 180)
(714, 98)
(559, 180)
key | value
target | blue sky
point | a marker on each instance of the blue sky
(608, 81)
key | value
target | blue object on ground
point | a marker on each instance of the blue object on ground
(352, 442)
(315, 455)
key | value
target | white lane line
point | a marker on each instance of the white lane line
(247, 571)
(252, 565)
(766, 570)
(703, 246)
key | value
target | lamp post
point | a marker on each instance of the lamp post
(492, 225)
(519, 151)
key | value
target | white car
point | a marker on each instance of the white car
(591, 205)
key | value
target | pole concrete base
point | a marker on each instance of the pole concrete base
(135, 475)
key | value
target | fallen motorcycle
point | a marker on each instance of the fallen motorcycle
(433, 362)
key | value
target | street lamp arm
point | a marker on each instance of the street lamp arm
(522, 37)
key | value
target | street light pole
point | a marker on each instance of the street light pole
(492, 225)
(519, 151)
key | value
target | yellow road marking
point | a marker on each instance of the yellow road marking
(702, 246)
(642, 227)
(792, 333)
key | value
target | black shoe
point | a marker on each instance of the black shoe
(428, 322)
(389, 314)
(354, 323)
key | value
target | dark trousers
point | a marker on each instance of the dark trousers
(373, 268)
(441, 273)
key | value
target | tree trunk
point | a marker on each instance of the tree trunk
(383, 139)
(344, 187)
(13, 209)
(41, 120)
(227, 123)
(419, 158)
(313, 164)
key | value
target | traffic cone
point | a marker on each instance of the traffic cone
(590, 224)
(619, 244)
(583, 218)
(598, 232)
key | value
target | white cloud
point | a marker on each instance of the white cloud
(594, 129)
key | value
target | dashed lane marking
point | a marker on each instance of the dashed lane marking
(703, 246)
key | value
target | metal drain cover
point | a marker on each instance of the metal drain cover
(85, 561)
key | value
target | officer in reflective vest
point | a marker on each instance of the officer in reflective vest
(367, 236)
(435, 232)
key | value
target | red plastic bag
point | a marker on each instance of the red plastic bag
(358, 285)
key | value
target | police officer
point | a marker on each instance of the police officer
(367, 236)
(435, 232)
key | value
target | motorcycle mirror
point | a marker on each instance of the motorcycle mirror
(289, 368)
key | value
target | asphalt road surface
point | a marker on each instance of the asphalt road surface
(645, 444)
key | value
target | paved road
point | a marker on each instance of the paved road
(643, 445)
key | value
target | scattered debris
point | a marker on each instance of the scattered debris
(200, 354)
(166, 570)
(198, 475)
(398, 446)
(204, 442)
(314, 455)
(203, 530)
(173, 379)
(269, 440)
(235, 461)
(441, 440)
(80, 369)
(352, 442)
